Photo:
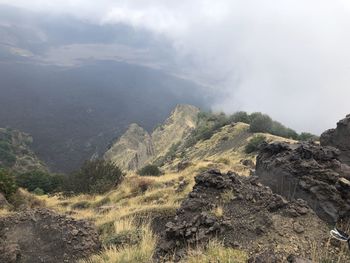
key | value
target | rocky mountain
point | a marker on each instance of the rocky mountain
(15, 151)
(136, 147)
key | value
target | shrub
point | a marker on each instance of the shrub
(81, 205)
(149, 170)
(94, 177)
(38, 179)
(7, 183)
(126, 237)
(240, 116)
(142, 185)
(254, 144)
(38, 191)
(305, 136)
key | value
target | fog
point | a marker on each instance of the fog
(290, 59)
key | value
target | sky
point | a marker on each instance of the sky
(288, 58)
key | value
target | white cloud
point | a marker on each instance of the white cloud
(288, 58)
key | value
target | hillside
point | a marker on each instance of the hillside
(206, 206)
(15, 152)
(168, 147)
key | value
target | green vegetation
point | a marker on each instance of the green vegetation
(209, 123)
(254, 144)
(7, 156)
(38, 191)
(149, 170)
(39, 180)
(94, 177)
(305, 136)
(7, 183)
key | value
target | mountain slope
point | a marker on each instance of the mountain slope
(168, 146)
(15, 152)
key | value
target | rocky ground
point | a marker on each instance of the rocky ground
(243, 214)
(308, 171)
(41, 235)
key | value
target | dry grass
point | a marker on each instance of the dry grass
(129, 207)
(5, 212)
(141, 253)
(218, 211)
(216, 252)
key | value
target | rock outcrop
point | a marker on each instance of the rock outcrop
(43, 236)
(339, 138)
(132, 149)
(241, 213)
(137, 147)
(310, 172)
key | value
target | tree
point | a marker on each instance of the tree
(94, 177)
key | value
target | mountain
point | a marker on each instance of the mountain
(136, 147)
(15, 152)
(167, 146)
(212, 202)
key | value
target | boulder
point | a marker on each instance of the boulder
(339, 138)
(310, 172)
(43, 236)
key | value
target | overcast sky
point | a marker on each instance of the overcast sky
(288, 58)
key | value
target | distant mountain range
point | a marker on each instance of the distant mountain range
(74, 113)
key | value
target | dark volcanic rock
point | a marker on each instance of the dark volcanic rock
(308, 171)
(339, 138)
(252, 218)
(44, 236)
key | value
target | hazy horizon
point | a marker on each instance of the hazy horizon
(288, 59)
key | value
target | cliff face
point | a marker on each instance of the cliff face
(15, 152)
(137, 147)
(177, 127)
